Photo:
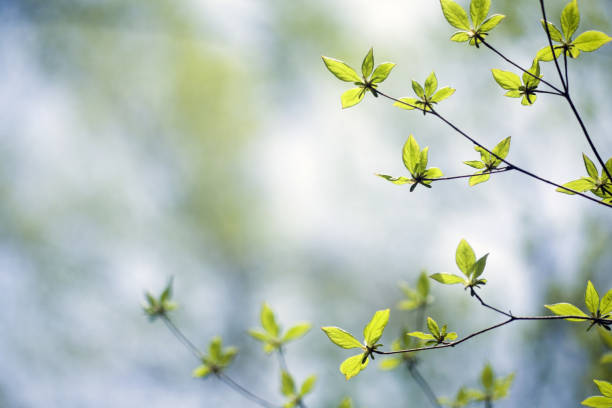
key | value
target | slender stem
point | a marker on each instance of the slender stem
(566, 76)
(552, 48)
(546, 92)
(246, 393)
(489, 46)
(474, 294)
(505, 322)
(424, 385)
(181, 337)
(500, 170)
(402, 102)
(420, 317)
(281, 360)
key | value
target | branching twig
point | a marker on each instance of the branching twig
(248, 394)
(494, 171)
(181, 337)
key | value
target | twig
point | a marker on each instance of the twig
(246, 393)
(416, 375)
(499, 170)
(181, 337)
(552, 48)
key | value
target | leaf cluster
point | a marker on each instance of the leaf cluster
(403, 343)
(436, 334)
(428, 95)
(217, 360)
(479, 28)
(600, 401)
(271, 335)
(488, 162)
(601, 310)
(517, 89)
(597, 183)
(415, 160)
(289, 390)
(160, 306)
(416, 298)
(466, 262)
(493, 389)
(372, 332)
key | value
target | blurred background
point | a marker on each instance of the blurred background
(204, 140)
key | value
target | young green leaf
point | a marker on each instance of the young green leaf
(411, 154)
(590, 166)
(296, 331)
(479, 266)
(407, 103)
(433, 327)
(418, 89)
(423, 285)
(598, 402)
(421, 335)
(605, 306)
(580, 185)
(502, 148)
(475, 164)
(591, 40)
(507, 80)
(566, 309)
(201, 371)
(604, 387)
(442, 94)
(398, 180)
(342, 71)
(455, 15)
(545, 54)
(431, 84)
(353, 365)
(591, 298)
(555, 34)
(478, 178)
(287, 384)
(487, 376)
(465, 257)
(479, 10)
(368, 63)
(352, 97)
(308, 385)
(491, 22)
(381, 72)
(342, 338)
(447, 278)
(374, 329)
(570, 19)
(346, 403)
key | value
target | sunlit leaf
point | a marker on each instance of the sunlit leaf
(342, 71)
(431, 84)
(382, 72)
(555, 34)
(591, 40)
(580, 185)
(505, 79)
(352, 366)
(570, 19)
(465, 257)
(455, 14)
(479, 10)
(308, 385)
(447, 278)
(368, 63)
(566, 309)
(352, 97)
(591, 298)
(296, 331)
(442, 94)
(341, 338)
(374, 329)
(491, 22)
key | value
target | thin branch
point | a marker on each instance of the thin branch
(499, 170)
(552, 48)
(181, 337)
(283, 365)
(566, 76)
(498, 325)
(474, 294)
(489, 46)
(246, 393)
(546, 92)
(402, 102)
(416, 375)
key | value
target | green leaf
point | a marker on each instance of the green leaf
(167, 293)
(228, 355)
(608, 166)
(368, 63)
(478, 178)
(491, 22)
(433, 327)
(308, 385)
(606, 358)
(475, 164)
(529, 80)
(352, 366)
(479, 266)
(528, 100)
(201, 372)
(505, 79)
(513, 94)
(398, 181)
(455, 15)
(604, 387)
(341, 338)
(605, 306)
(432, 173)
(423, 285)
(342, 71)
(580, 185)
(346, 403)
(442, 94)
(421, 335)
(374, 329)
(460, 36)
(296, 331)
(406, 103)
(590, 166)
(502, 386)
(566, 309)
(390, 363)
(502, 148)
(422, 160)
(591, 298)
(381, 72)
(465, 257)
(545, 54)
(451, 336)
(479, 10)
(258, 335)
(555, 34)
(598, 402)
(570, 19)
(418, 89)
(352, 97)
(591, 40)
(287, 384)
(268, 322)
(411, 154)
(431, 84)
(487, 377)
(447, 278)
(214, 349)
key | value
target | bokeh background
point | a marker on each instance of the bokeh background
(204, 140)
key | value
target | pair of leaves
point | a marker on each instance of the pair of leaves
(218, 358)
(488, 162)
(415, 160)
(600, 401)
(493, 389)
(416, 298)
(599, 185)
(600, 309)
(270, 334)
(517, 89)
(467, 263)
(570, 20)
(481, 25)
(428, 95)
(156, 307)
(435, 335)
(369, 82)
(289, 390)
(372, 332)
